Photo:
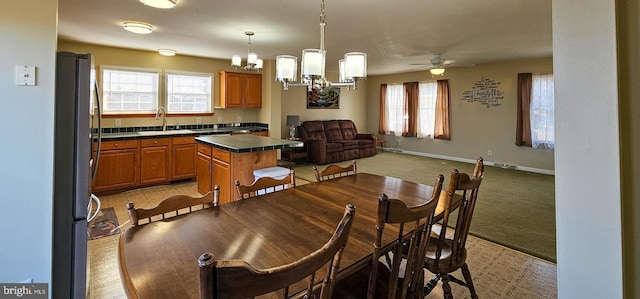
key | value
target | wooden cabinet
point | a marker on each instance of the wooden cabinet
(118, 165)
(204, 169)
(154, 160)
(240, 90)
(183, 157)
(222, 177)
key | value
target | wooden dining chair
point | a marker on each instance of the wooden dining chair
(478, 170)
(334, 171)
(265, 185)
(172, 206)
(381, 280)
(237, 279)
(446, 255)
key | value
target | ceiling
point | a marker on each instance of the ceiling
(394, 34)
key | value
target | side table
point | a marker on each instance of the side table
(292, 154)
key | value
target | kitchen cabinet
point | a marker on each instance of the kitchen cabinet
(222, 177)
(204, 169)
(183, 157)
(154, 160)
(118, 166)
(240, 90)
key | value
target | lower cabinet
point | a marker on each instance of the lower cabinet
(221, 177)
(183, 157)
(118, 165)
(204, 169)
(154, 161)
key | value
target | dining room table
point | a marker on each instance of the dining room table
(159, 259)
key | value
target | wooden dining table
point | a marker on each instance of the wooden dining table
(159, 259)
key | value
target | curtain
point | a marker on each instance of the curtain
(427, 108)
(382, 126)
(410, 109)
(541, 114)
(394, 108)
(523, 122)
(442, 129)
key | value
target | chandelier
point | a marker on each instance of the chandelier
(253, 62)
(352, 68)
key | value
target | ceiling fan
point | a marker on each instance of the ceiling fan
(438, 64)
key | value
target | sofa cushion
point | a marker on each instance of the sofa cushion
(348, 129)
(313, 130)
(349, 144)
(333, 147)
(332, 131)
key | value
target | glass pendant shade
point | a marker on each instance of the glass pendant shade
(437, 71)
(252, 58)
(236, 60)
(313, 63)
(355, 65)
(259, 64)
(342, 70)
(286, 68)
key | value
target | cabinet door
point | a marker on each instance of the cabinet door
(253, 91)
(154, 165)
(184, 161)
(204, 168)
(222, 178)
(232, 95)
(117, 169)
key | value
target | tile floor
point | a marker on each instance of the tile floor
(497, 271)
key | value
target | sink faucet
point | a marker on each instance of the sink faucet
(162, 111)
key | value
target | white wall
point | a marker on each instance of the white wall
(27, 37)
(588, 208)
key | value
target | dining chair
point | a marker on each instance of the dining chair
(237, 279)
(392, 280)
(334, 171)
(478, 170)
(446, 255)
(265, 185)
(172, 206)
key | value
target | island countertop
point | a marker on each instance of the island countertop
(247, 143)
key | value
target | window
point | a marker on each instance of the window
(541, 113)
(129, 91)
(188, 93)
(428, 92)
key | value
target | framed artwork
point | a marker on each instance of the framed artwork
(323, 99)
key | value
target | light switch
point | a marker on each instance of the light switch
(25, 75)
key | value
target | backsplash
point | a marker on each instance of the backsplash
(176, 127)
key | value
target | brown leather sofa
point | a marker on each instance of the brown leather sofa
(330, 141)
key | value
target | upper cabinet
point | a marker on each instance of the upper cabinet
(240, 90)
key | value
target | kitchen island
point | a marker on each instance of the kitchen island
(223, 159)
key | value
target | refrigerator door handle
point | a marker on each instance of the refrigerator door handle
(90, 207)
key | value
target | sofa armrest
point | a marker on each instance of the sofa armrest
(316, 149)
(366, 136)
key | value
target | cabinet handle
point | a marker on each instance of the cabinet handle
(116, 145)
(155, 142)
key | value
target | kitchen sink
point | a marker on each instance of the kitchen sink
(172, 132)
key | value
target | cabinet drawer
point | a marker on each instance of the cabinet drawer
(154, 142)
(204, 149)
(119, 144)
(184, 140)
(221, 155)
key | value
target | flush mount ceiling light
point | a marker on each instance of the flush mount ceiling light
(137, 27)
(253, 62)
(437, 71)
(352, 67)
(160, 3)
(167, 52)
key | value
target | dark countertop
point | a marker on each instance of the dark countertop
(174, 133)
(246, 143)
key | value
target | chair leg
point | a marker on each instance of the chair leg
(467, 278)
(431, 285)
(446, 287)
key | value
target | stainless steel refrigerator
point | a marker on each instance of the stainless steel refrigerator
(74, 165)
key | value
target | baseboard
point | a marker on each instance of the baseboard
(471, 161)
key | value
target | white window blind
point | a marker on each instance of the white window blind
(129, 91)
(541, 112)
(188, 93)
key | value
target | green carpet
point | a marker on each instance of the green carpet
(515, 208)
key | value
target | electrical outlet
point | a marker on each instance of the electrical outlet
(198, 120)
(219, 119)
(490, 152)
(238, 119)
(118, 122)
